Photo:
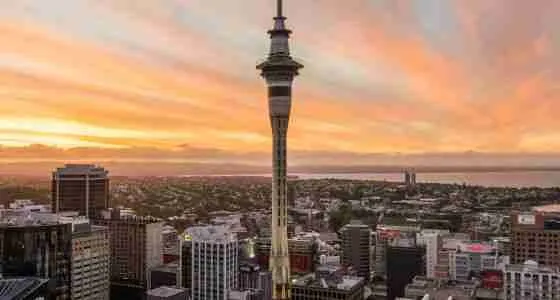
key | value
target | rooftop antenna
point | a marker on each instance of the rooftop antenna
(279, 9)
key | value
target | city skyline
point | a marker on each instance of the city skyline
(138, 79)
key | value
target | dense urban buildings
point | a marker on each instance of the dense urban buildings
(136, 248)
(81, 188)
(456, 264)
(214, 262)
(279, 71)
(357, 246)
(37, 245)
(471, 258)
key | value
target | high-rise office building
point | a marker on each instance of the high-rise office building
(37, 245)
(531, 281)
(214, 262)
(535, 236)
(135, 244)
(80, 188)
(90, 260)
(357, 246)
(279, 71)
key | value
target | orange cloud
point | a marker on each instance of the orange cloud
(376, 79)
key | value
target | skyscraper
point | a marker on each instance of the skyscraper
(279, 71)
(214, 262)
(135, 244)
(357, 248)
(90, 260)
(81, 188)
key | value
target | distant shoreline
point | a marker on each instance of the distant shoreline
(171, 169)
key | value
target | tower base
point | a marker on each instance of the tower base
(281, 292)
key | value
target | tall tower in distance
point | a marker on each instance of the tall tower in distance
(279, 71)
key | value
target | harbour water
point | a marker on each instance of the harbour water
(491, 179)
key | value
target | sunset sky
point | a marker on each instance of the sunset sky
(156, 78)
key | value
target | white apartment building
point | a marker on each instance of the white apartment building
(214, 262)
(531, 281)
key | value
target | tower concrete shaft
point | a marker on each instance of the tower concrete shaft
(279, 71)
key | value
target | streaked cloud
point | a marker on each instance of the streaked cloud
(381, 76)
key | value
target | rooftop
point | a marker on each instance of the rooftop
(22, 218)
(356, 223)
(210, 233)
(20, 288)
(530, 267)
(551, 208)
(341, 283)
(81, 169)
(165, 291)
(476, 247)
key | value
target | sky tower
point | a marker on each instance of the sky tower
(279, 71)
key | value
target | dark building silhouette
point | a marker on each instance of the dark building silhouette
(186, 264)
(80, 188)
(37, 247)
(165, 275)
(403, 264)
(357, 248)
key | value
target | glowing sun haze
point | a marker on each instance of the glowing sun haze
(382, 76)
